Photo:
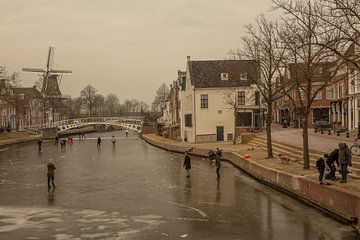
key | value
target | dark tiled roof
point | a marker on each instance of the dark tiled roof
(299, 71)
(207, 74)
(31, 92)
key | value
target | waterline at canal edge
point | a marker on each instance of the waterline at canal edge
(338, 203)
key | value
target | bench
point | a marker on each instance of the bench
(321, 126)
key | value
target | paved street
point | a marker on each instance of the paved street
(317, 141)
(136, 191)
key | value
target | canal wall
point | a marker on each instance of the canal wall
(337, 202)
(11, 141)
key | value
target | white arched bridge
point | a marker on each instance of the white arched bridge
(69, 124)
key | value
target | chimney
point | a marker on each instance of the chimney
(188, 58)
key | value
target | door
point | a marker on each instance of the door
(219, 133)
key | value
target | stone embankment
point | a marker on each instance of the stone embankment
(17, 137)
(341, 203)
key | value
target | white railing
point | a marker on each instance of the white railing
(133, 124)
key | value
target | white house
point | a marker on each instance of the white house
(215, 91)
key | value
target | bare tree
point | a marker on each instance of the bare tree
(160, 97)
(144, 107)
(88, 96)
(112, 104)
(99, 105)
(342, 19)
(310, 64)
(262, 44)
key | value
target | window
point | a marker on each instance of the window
(243, 76)
(22, 96)
(340, 93)
(329, 93)
(302, 94)
(188, 120)
(241, 98)
(204, 100)
(230, 136)
(318, 95)
(257, 98)
(244, 119)
(224, 76)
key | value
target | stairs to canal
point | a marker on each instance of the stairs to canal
(296, 154)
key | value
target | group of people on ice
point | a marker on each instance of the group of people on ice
(213, 156)
(342, 157)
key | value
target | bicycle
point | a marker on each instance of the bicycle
(355, 148)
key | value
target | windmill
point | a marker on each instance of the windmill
(50, 90)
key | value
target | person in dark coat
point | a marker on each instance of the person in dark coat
(320, 165)
(56, 140)
(51, 173)
(344, 160)
(187, 162)
(218, 163)
(332, 159)
(98, 142)
(39, 142)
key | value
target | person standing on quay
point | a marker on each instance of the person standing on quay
(344, 160)
(98, 143)
(51, 173)
(320, 165)
(187, 162)
(126, 133)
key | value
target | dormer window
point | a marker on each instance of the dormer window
(243, 76)
(224, 76)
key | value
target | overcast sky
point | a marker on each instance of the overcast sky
(126, 47)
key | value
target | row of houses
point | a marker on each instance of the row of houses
(216, 100)
(24, 106)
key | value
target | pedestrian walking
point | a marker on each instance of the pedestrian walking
(51, 173)
(218, 163)
(126, 133)
(39, 143)
(83, 135)
(320, 165)
(344, 160)
(98, 143)
(187, 162)
(332, 159)
(113, 140)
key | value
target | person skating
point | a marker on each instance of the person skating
(344, 160)
(63, 144)
(113, 140)
(333, 157)
(217, 163)
(56, 140)
(320, 165)
(39, 143)
(98, 143)
(187, 162)
(51, 173)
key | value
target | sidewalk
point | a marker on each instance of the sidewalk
(16, 137)
(317, 141)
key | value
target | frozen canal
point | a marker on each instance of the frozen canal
(136, 191)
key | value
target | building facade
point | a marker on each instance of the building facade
(219, 100)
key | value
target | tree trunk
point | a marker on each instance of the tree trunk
(268, 131)
(234, 138)
(306, 143)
